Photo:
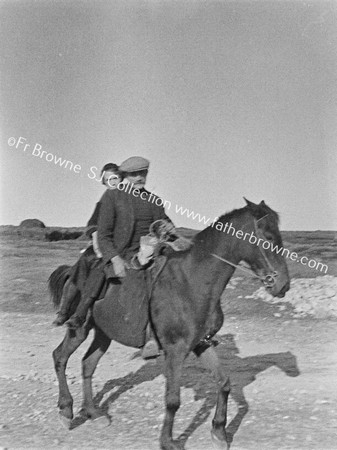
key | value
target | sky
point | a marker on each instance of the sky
(226, 99)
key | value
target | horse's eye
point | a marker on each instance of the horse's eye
(269, 236)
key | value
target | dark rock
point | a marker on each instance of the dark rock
(32, 223)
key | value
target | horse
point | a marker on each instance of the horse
(185, 311)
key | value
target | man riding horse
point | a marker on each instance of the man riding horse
(79, 273)
(126, 215)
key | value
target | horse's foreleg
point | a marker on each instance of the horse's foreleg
(210, 360)
(174, 359)
(95, 352)
(61, 354)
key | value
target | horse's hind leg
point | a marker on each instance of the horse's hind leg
(174, 359)
(95, 352)
(210, 360)
(61, 354)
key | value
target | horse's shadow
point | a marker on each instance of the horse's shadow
(242, 372)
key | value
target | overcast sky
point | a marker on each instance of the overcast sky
(226, 99)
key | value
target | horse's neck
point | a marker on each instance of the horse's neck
(212, 243)
(261, 364)
(222, 280)
(211, 272)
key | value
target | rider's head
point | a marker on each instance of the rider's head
(135, 170)
(111, 176)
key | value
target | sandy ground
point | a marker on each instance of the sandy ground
(284, 367)
(285, 411)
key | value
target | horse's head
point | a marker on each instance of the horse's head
(263, 249)
(288, 363)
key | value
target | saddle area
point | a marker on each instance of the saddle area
(123, 313)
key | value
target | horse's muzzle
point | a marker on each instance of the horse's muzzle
(283, 291)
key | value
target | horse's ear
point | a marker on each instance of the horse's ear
(253, 208)
(249, 204)
(262, 203)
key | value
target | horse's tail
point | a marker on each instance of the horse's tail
(56, 282)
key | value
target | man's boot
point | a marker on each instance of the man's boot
(78, 319)
(60, 319)
(75, 322)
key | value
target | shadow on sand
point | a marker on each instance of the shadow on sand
(242, 372)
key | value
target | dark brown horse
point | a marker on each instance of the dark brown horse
(185, 310)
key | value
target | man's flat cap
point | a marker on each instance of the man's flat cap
(134, 164)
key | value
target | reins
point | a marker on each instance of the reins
(268, 280)
(250, 272)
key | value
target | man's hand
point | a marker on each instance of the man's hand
(145, 255)
(162, 229)
(119, 266)
(146, 251)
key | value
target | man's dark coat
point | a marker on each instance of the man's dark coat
(116, 222)
(124, 310)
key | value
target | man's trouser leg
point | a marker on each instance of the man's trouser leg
(74, 286)
(70, 291)
(90, 293)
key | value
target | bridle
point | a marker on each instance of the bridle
(268, 280)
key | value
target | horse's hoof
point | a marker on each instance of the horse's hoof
(173, 445)
(65, 421)
(219, 444)
(101, 422)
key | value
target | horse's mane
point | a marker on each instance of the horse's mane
(206, 239)
(261, 210)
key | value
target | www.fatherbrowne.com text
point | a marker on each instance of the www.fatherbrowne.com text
(225, 228)
(253, 239)
(36, 150)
